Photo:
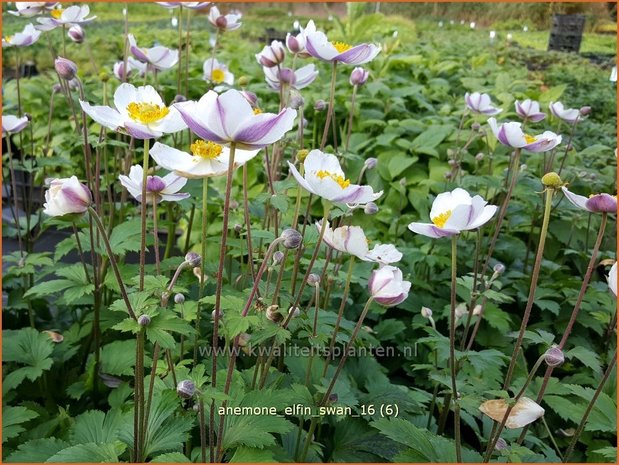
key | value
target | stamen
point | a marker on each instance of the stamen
(257, 111)
(146, 112)
(341, 47)
(343, 183)
(57, 13)
(441, 219)
(530, 139)
(217, 76)
(207, 150)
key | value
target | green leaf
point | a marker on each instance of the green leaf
(406, 433)
(171, 457)
(280, 202)
(25, 346)
(252, 455)
(89, 453)
(12, 418)
(118, 358)
(36, 450)
(98, 427)
(587, 357)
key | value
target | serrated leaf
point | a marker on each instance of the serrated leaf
(36, 450)
(89, 453)
(12, 418)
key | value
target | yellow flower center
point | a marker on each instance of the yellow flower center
(57, 13)
(208, 150)
(217, 76)
(8, 39)
(257, 111)
(441, 219)
(530, 139)
(146, 112)
(343, 183)
(341, 47)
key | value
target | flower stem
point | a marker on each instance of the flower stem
(350, 117)
(325, 397)
(575, 311)
(452, 347)
(218, 291)
(156, 237)
(250, 257)
(143, 213)
(110, 253)
(340, 313)
(14, 196)
(534, 278)
(589, 408)
(330, 110)
(202, 282)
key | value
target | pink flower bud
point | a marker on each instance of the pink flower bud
(66, 69)
(76, 34)
(66, 196)
(359, 76)
(387, 286)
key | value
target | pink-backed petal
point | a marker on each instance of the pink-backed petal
(191, 114)
(602, 203)
(264, 129)
(579, 201)
(139, 131)
(430, 230)
(300, 179)
(358, 55)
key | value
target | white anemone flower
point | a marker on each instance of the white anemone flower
(29, 9)
(61, 17)
(158, 57)
(208, 159)
(324, 177)
(352, 240)
(524, 412)
(569, 115)
(216, 72)
(28, 36)
(140, 112)
(454, 212)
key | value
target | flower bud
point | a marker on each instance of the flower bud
(244, 339)
(234, 204)
(56, 88)
(278, 257)
(461, 310)
(552, 180)
(370, 163)
(186, 389)
(313, 279)
(296, 100)
(584, 111)
(179, 298)
(477, 310)
(66, 196)
(273, 314)
(179, 98)
(476, 126)
(193, 259)
(370, 208)
(501, 444)
(243, 81)
(447, 175)
(359, 76)
(292, 238)
(479, 156)
(499, 268)
(452, 163)
(144, 320)
(293, 44)
(76, 34)
(387, 286)
(426, 312)
(295, 311)
(272, 55)
(554, 357)
(238, 228)
(320, 105)
(333, 397)
(301, 154)
(66, 69)
(104, 76)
